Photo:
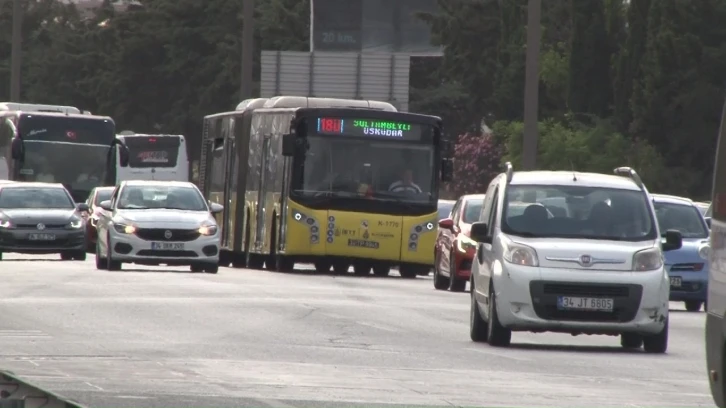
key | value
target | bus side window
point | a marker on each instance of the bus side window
(6, 138)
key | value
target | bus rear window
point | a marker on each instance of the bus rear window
(156, 151)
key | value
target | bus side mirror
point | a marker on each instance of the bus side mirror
(17, 149)
(288, 145)
(123, 155)
(447, 170)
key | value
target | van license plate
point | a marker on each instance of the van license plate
(585, 303)
(676, 281)
(167, 246)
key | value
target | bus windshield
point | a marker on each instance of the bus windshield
(70, 129)
(376, 170)
(80, 167)
(153, 151)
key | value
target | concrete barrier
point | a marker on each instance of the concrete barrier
(17, 393)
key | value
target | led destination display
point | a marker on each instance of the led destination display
(369, 128)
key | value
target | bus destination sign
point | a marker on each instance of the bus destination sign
(369, 128)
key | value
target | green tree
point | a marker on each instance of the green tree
(589, 84)
(629, 61)
(471, 31)
(677, 102)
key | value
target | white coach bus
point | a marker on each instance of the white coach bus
(154, 157)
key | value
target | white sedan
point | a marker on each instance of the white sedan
(158, 223)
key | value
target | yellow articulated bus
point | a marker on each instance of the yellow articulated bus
(333, 182)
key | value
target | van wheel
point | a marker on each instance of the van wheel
(657, 343)
(381, 270)
(66, 256)
(498, 335)
(631, 341)
(477, 325)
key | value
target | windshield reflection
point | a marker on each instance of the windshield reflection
(79, 167)
(384, 171)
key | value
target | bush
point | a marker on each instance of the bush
(477, 159)
(592, 148)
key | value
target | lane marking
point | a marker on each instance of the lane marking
(94, 386)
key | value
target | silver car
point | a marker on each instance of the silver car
(158, 223)
(595, 268)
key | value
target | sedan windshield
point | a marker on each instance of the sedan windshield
(161, 197)
(472, 210)
(445, 209)
(588, 213)
(103, 195)
(34, 197)
(686, 219)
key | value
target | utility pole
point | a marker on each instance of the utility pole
(248, 48)
(531, 85)
(16, 51)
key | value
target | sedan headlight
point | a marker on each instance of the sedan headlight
(648, 260)
(6, 224)
(208, 230)
(465, 243)
(75, 223)
(520, 254)
(124, 228)
(704, 252)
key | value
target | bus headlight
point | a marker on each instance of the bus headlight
(208, 230)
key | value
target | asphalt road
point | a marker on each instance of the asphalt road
(163, 337)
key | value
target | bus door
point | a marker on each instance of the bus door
(230, 180)
(262, 194)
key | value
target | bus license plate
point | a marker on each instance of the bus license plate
(167, 246)
(360, 243)
(41, 237)
(676, 281)
(585, 303)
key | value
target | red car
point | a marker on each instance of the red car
(97, 195)
(454, 250)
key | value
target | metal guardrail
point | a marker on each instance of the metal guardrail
(17, 393)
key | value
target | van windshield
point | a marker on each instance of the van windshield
(578, 212)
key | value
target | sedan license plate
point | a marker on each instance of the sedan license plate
(676, 281)
(585, 303)
(41, 237)
(167, 246)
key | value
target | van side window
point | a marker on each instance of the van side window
(489, 201)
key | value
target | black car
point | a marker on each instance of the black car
(41, 218)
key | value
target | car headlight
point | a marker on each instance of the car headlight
(75, 223)
(520, 254)
(208, 230)
(6, 224)
(704, 252)
(648, 259)
(124, 228)
(465, 243)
